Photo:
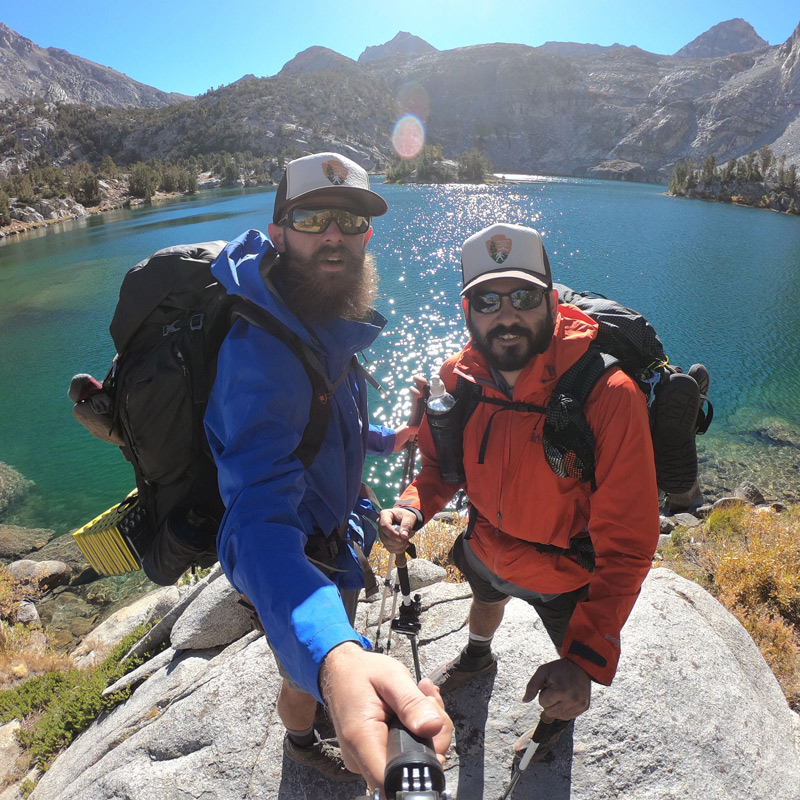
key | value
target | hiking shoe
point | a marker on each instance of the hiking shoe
(704, 415)
(701, 376)
(676, 407)
(461, 670)
(324, 756)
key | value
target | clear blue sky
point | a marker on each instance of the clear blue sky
(189, 46)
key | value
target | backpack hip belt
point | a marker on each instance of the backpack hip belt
(580, 547)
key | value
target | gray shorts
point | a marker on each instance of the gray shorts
(350, 602)
(555, 610)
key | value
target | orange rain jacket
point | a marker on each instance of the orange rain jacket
(519, 499)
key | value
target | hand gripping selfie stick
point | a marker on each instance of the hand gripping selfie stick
(413, 771)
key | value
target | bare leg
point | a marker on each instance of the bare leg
(296, 709)
(485, 618)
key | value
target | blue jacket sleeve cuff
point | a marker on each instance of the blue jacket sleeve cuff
(380, 440)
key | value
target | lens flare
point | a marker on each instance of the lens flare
(408, 136)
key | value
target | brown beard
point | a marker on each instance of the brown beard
(317, 296)
(533, 343)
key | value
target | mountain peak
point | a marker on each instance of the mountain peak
(404, 44)
(316, 59)
(724, 39)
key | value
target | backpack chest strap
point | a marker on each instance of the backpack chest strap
(505, 405)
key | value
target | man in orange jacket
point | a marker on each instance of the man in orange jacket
(523, 517)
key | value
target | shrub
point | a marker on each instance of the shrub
(88, 193)
(143, 181)
(10, 595)
(750, 560)
(56, 707)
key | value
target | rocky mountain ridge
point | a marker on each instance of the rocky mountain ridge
(562, 108)
(58, 76)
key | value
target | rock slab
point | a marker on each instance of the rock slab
(693, 713)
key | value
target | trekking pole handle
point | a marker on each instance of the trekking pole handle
(418, 409)
(542, 731)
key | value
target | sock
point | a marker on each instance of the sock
(479, 648)
(302, 738)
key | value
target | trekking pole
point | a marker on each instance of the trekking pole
(409, 462)
(519, 768)
(543, 738)
(387, 587)
(407, 621)
(413, 771)
(414, 421)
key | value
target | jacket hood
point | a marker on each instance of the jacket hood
(239, 269)
(573, 334)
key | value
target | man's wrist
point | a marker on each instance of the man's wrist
(333, 659)
(417, 513)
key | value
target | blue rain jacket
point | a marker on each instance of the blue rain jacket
(257, 412)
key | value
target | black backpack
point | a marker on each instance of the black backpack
(625, 339)
(168, 326)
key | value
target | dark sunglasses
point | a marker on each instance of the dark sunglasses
(521, 299)
(316, 220)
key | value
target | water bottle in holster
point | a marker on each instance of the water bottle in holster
(444, 420)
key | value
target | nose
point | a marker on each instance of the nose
(506, 310)
(332, 233)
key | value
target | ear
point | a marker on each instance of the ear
(554, 304)
(465, 308)
(276, 235)
(367, 235)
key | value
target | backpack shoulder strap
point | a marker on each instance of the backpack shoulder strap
(567, 437)
(579, 380)
(322, 387)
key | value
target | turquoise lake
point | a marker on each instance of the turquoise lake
(719, 283)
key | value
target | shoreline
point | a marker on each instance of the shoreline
(109, 204)
(121, 199)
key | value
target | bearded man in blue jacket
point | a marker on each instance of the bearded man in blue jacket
(313, 275)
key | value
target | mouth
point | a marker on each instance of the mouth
(506, 338)
(332, 262)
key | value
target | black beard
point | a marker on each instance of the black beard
(513, 359)
(317, 296)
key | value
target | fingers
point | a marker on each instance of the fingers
(535, 684)
(417, 389)
(396, 528)
(442, 738)
(564, 689)
(362, 708)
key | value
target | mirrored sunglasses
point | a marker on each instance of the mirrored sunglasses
(316, 220)
(521, 299)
